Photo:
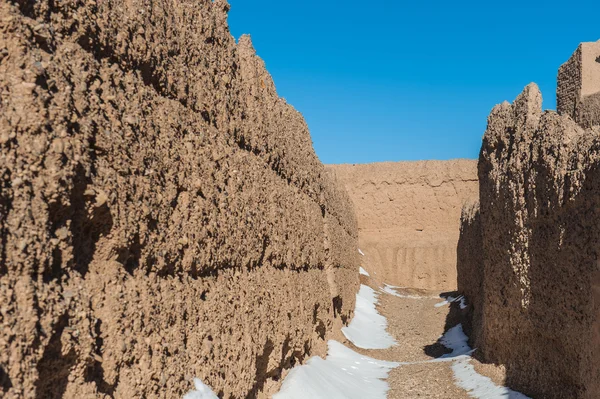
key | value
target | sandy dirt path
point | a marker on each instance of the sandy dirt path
(416, 323)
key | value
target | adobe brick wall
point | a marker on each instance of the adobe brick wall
(409, 216)
(536, 307)
(163, 214)
(578, 88)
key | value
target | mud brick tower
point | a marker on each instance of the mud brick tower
(578, 91)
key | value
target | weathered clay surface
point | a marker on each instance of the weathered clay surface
(578, 85)
(537, 305)
(469, 265)
(408, 217)
(162, 212)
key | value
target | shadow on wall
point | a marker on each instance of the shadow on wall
(469, 267)
(528, 257)
(564, 307)
(564, 300)
(470, 281)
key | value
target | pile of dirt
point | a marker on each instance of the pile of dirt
(162, 212)
(408, 217)
(537, 301)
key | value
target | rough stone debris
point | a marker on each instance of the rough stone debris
(163, 215)
(408, 217)
(533, 243)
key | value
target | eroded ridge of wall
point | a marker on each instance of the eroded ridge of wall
(162, 212)
(408, 217)
(537, 301)
(469, 260)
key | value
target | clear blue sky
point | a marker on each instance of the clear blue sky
(395, 80)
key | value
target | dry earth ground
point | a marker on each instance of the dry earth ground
(416, 324)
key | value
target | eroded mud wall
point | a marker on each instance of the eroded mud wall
(408, 217)
(537, 304)
(162, 212)
(578, 88)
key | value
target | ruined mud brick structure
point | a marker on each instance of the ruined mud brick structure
(578, 92)
(408, 217)
(163, 214)
(528, 257)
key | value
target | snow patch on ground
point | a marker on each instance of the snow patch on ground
(367, 329)
(390, 289)
(479, 386)
(450, 299)
(345, 374)
(476, 385)
(363, 272)
(202, 391)
(456, 340)
(361, 252)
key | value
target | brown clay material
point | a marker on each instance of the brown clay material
(537, 303)
(416, 323)
(408, 217)
(469, 267)
(578, 86)
(162, 212)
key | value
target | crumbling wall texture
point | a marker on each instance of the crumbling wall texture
(408, 217)
(469, 265)
(537, 304)
(162, 212)
(578, 86)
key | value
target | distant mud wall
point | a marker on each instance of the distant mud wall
(531, 270)
(408, 217)
(162, 212)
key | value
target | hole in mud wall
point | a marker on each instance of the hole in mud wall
(287, 360)
(92, 219)
(27, 8)
(321, 329)
(598, 59)
(5, 382)
(95, 371)
(5, 206)
(316, 313)
(54, 271)
(262, 365)
(54, 367)
(3, 267)
(130, 257)
(337, 309)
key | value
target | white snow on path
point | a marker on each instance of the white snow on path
(361, 252)
(390, 289)
(363, 272)
(202, 391)
(456, 340)
(345, 374)
(367, 329)
(451, 299)
(476, 385)
(479, 386)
